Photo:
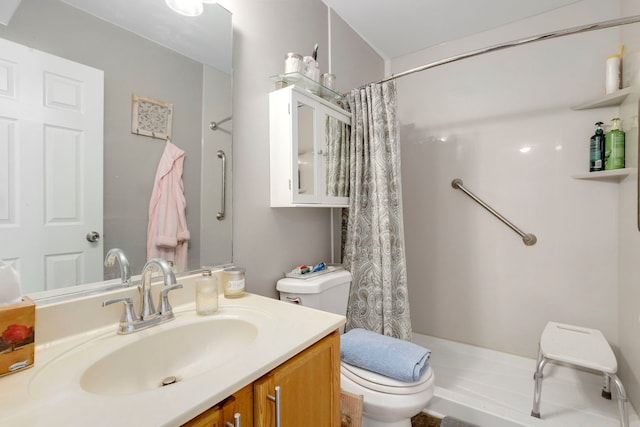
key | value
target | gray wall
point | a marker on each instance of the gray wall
(132, 65)
(268, 241)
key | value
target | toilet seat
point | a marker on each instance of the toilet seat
(374, 381)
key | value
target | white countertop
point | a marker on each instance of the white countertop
(288, 330)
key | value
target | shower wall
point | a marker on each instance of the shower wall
(503, 123)
(629, 243)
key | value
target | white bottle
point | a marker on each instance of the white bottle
(206, 294)
(613, 74)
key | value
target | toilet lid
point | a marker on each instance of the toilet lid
(378, 382)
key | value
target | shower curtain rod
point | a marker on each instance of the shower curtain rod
(518, 42)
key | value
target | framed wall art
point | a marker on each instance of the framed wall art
(150, 117)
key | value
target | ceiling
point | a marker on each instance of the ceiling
(395, 28)
(392, 28)
(206, 38)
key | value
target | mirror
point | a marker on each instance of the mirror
(335, 153)
(182, 68)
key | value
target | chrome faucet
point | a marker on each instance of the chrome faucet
(125, 271)
(147, 309)
(130, 322)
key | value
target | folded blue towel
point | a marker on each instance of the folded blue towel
(388, 356)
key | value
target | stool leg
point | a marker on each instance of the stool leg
(606, 390)
(538, 360)
(537, 391)
(622, 400)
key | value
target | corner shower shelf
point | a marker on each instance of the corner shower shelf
(610, 100)
(610, 175)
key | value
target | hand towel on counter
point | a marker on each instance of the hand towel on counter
(167, 235)
(392, 357)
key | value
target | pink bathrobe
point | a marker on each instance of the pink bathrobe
(168, 236)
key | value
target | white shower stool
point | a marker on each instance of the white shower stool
(583, 347)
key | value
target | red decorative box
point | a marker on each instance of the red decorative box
(17, 332)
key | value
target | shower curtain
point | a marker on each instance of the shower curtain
(374, 249)
(337, 174)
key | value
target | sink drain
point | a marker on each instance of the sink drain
(169, 380)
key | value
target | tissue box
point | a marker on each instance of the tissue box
(17, 332)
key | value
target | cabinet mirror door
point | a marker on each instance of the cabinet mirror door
(337, 136)
(306, 142)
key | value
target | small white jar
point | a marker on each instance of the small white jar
(328, 80)
(311, 69)
(233, 280)
(292, 63)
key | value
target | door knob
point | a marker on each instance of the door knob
(93, 236)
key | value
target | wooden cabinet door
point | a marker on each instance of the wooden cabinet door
(309, 388)
(223, 414)
(240, 403)
(209, 418)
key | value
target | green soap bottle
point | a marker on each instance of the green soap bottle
(596, 154)
(614, 147)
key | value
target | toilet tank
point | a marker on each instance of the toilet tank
(327, 292)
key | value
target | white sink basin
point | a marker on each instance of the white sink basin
(184, 348)
(180, 353)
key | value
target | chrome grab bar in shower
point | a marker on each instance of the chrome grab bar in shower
(528, 238)
(221, 213)
(216, 125)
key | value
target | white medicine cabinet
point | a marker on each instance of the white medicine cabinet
(309, 141)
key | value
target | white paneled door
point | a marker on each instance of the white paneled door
(51, 137)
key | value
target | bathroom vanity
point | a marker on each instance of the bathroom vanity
(253, 356)
(309, 393)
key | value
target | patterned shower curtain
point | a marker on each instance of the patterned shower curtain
(338, 135)
(374, 249)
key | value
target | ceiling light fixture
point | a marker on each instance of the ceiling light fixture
(188, 7)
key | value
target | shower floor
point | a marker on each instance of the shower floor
(495, 389)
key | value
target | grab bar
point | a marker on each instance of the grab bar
(220, 215)
(216, 125)
(528, 238)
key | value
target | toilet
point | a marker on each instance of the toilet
(387, 402)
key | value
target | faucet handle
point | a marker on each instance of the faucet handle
(128, 315)
(165, 307)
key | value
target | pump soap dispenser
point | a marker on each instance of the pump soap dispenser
(596, 152)
(614, 146)
(206, 294)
